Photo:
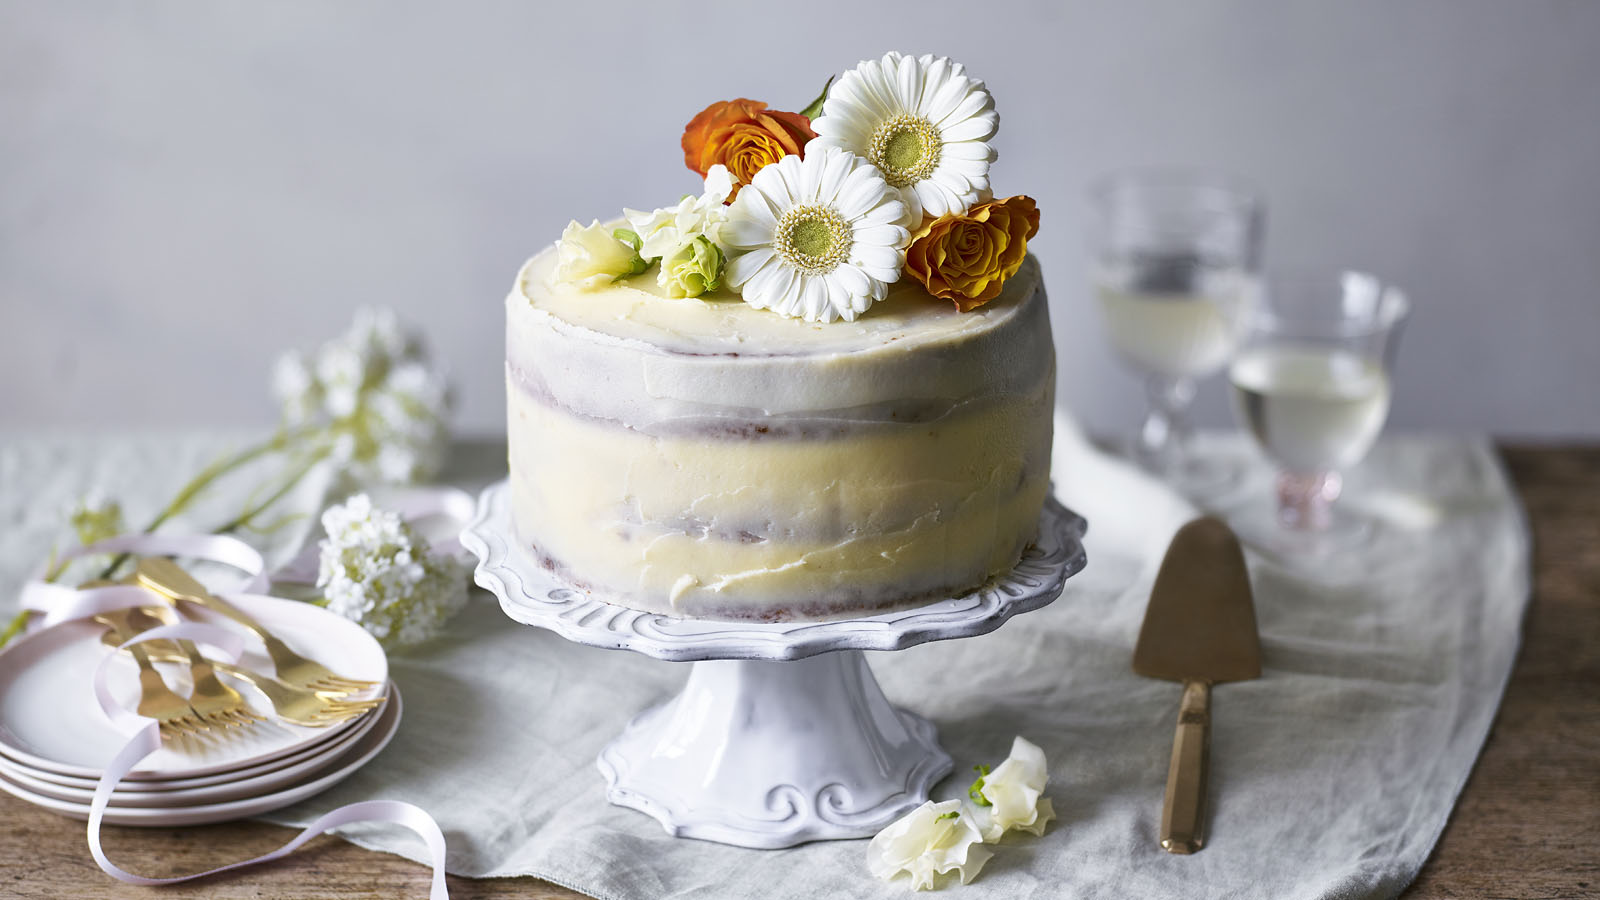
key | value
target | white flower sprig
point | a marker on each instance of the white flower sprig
(382, 406)
(936, 838)
(375, 570)
(932, 839)
(368, 402)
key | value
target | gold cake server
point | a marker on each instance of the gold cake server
(1199, 629)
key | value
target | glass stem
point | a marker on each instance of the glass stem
(1164, 436)
(1305, 499)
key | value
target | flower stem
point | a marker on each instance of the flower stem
(245, 518)
(18, 622)
(184, 497)
(216, 469)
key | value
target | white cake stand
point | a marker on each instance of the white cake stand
(781, 735)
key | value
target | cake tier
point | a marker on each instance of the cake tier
(704, 458)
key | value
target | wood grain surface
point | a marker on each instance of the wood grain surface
(1527, 824)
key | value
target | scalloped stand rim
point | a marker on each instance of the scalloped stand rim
(781, 734)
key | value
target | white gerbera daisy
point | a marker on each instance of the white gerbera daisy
(819, 239)
(922, 122)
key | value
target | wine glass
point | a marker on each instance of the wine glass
(1311, 385)
(1176, 259)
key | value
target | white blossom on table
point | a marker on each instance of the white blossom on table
(1012, 794)
(375, 570)
(933, 839)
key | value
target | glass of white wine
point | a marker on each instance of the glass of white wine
(1176, 257)
(1311, 385)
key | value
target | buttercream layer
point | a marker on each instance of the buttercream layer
(628, 354)
(844, 467)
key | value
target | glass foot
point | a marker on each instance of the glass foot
(1340, 537)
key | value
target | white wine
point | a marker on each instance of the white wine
(1175, 316)
(1313, 409)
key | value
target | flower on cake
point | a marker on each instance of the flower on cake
(591, 256)
(693, 268)
(886, 172)
(819, 238)
(684, 238)
(967, 258)
(376, 571)
(921, 121)
(932, 839)
(1012, 794)
(744, 136)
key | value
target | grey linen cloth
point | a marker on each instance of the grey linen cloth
(1332, 775)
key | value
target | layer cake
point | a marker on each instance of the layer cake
(705, 458)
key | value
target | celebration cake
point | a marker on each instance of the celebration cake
(821, 387)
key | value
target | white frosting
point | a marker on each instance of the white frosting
(670, 365)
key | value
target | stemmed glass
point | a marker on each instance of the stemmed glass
(1176, 261)
(1311, 384)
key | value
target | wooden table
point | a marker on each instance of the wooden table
(1527, 825)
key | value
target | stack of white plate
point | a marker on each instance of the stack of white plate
(55, 741)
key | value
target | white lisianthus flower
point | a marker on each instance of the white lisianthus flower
(376, 571)
(591, 256)
(932, 839)
(818, 239)
(922, 122)
(384, 406)
(1012, 793)
(685, 235)
(693, 268)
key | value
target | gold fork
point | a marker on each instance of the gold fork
(211, 699)
(300, 706)
(159, 702)
(170, 581)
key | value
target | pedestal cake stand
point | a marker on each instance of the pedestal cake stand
(781, 735)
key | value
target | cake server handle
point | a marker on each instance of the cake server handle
(1183, 808)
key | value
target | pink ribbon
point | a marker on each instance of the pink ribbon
(60, 603)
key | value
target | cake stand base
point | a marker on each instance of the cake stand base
(773, 754)
(781, 735)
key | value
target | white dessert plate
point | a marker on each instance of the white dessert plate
(365, 749)
(247, 783)
(50, 720)
(345, 731)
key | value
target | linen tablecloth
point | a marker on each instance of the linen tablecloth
(1332, 775)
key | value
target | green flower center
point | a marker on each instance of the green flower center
(812, 239)
(906, 148)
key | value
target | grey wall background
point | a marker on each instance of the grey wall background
(187, 189)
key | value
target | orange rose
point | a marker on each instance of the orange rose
(744, 136)
(967, 259)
